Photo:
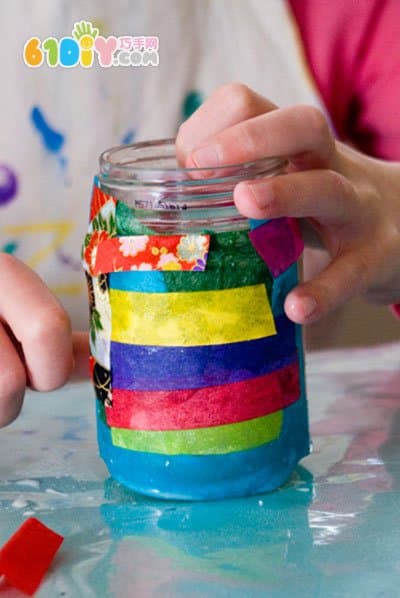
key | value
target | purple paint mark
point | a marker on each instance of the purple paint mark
(69, 454)
(68, 261)
(279, 243)
(8, 184)
(52, 139)
(77, 426)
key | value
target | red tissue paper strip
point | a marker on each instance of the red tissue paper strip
(28, 554)
(204, 407)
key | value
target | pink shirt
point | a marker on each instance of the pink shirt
(353, 50)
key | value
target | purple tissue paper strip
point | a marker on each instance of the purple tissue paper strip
(279, 243)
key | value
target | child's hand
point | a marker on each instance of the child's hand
(37, 348)
(350, 200)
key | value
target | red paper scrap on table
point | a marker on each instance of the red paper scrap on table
(27, 555)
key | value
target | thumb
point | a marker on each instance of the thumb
(345, 277)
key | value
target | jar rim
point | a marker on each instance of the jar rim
(110, 167)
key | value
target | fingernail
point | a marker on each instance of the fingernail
(205, 157)
(300, 309)
(308, 306)
(259, 194)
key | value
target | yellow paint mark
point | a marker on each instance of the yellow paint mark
(100, 24)
(60, 229)
(68, 289)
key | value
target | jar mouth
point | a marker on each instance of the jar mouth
(168, 198)
(155, 162)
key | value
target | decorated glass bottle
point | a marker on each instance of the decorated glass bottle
(198, 372)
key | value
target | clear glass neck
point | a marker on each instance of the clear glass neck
(170, 199)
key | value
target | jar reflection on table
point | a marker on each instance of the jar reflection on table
(262, 543)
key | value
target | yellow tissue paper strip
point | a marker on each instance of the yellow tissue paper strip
(202, 441)
(191, 318)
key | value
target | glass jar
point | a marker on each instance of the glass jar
(197, 370)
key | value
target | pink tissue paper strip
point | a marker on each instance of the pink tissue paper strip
(279, 243)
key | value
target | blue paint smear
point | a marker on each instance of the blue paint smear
(128, 137)
(52, 139)
(10, 247)
(63, 162)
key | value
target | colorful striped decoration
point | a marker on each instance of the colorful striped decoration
(188, 477)
(153, 281)
(232, 262)
(204, 407)
(205, 396)
(214, 440)
(192, 318)
(150, 367)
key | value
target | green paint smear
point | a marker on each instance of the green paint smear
(202, 441)
(192, 101)
(10, 247)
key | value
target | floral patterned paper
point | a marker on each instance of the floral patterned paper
(99, 199)
(104, 253)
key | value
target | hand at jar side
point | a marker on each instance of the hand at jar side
(348, 202)
(37, 347)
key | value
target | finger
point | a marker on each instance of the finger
(298, 132)
(346, 276)
(38, 322)
(321, 194)
(12, 379)
(80, 343)
(228, 105)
